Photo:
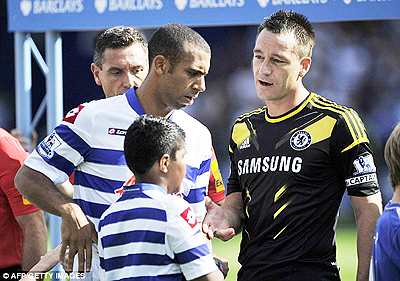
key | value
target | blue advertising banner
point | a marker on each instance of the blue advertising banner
(76, 15)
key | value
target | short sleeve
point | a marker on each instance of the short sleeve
(233, 180)
(354, 157)
(65, 148)
(12, 156)
(187, 242)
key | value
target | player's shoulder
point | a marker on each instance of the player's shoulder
(179, 212)
(86, 112)
(344, 114)
(333, 109)
(104, 104)
(188, 122)
(174, 202)
(254, 114)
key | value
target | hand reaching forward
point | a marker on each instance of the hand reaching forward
(216, 223)
(77, 233)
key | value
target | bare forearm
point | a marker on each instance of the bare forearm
(365, 236)
(34, 238)
(366, 214)
(40, 191)
(233, 211)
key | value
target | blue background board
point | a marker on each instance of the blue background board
(78, 15)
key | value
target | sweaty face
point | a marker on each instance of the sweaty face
(276, 66)
(177, 170)
(183, 84)
(122, 69)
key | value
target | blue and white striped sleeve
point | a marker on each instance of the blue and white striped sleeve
(187, 242)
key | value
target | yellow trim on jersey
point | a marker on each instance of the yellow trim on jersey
(282, 208)
(247, 206)
(248, 114)
(353, 115)
(240, 133)
(280, 192)
(280, 231)
(322, 129)
(352, 120)
(276, 120)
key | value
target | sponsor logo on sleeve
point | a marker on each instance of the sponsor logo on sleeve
(72, 114)
(364, 164)
(47, 147)
(116, 132)
(189, 216)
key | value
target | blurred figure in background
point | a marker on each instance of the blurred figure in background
(23, 232)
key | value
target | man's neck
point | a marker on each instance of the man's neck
(151, 103)
(283, 105)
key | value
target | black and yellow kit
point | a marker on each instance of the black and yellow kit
(292, 171)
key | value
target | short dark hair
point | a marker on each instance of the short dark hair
(289, 21)
(169, 41)
(116, 37)
(148, 139)
(392, 156)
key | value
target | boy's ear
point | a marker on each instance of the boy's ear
(164, 162)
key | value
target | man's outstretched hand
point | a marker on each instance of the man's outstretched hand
(78, 233)
(216, 223)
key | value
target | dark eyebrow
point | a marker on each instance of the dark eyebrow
(196, 71)
(113, 68)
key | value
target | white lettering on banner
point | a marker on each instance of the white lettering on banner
(297, 2)
(195, 4)
(57, 6)
(361, 179)
(134, 5)
(25, 6)
(375, 0)
(100, 5)
(263, 3)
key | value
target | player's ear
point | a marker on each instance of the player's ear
(96, 73)
(164, 162)
(160, 64)
(305, 65)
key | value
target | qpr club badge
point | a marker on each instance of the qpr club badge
(300, 140)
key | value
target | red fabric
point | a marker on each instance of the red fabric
(12, 155)
(216, 187)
